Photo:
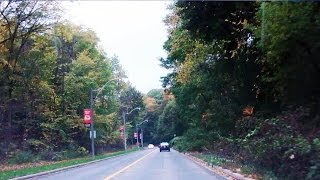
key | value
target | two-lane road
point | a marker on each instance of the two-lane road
(141, 165)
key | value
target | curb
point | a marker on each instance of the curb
(226, 173)
(66, 168)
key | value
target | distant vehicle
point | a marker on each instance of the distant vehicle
(150, 146)
(164, 146)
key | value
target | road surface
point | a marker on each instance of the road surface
(141, 165)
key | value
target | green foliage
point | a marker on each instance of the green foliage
(36, 145)
(245, 81)
(180, 143)
(277, 146)
(213, 159)
(165, 126)
(48, 71)
(70, 153)
(132, 98)
(20, 157)
(156, 94)
(196, 139)
(314, 169)
(287, 48)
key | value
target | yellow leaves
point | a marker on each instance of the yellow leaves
(192, 61)
(65, 31)
(89, 36)
(111, 116)
(3, 54)
(184, 71)
(4, 63)
(150, 104)
(83, 64)
(84, 59)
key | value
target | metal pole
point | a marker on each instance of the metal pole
(142, 138)
(91, 128)
(137, 135)
(124, 130)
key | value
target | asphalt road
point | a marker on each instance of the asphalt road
(141, 165)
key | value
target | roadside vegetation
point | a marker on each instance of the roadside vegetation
(245, 82)
(48, 68)
(243, 89)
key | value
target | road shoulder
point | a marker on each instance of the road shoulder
(225, 173)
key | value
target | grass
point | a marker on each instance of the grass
(27, 171)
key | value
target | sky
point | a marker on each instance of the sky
(132, 30)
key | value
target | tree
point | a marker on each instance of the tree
(166, 123)
(230, 57)
(21, 22)
(156, 94)
(130, 99)
(287, 48)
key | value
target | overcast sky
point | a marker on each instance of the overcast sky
(132, 30)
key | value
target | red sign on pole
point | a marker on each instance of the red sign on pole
(87, 116)
(121, 128)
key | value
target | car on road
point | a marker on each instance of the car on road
(150, 146)
(164, 146)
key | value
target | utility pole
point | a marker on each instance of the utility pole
(124, 130)
(91, 128)
(137, 130)
(92, 101)
(142, 138)
(124, 125)
(141, 134)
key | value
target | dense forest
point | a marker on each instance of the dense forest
(244, 85)
(245, 81)
(48, 68)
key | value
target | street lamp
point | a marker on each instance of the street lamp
(124, 125)
(141, 131)
(92, 101)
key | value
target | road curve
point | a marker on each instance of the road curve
(141, 165)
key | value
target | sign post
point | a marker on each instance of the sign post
(94, 134)
(141, 137)
(91, 124)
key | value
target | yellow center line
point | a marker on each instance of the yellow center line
(128, 166)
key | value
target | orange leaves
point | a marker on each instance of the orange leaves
(247, 111)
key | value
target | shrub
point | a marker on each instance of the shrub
(180, 143)
(20, 157)
(314, 170)
(70, 153)
(275, 145)
(36, 145)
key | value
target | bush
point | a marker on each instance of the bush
(36, 145)
(20, 157)
(70, 153)
(314, 170)
(273, 144)
(179, 143)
